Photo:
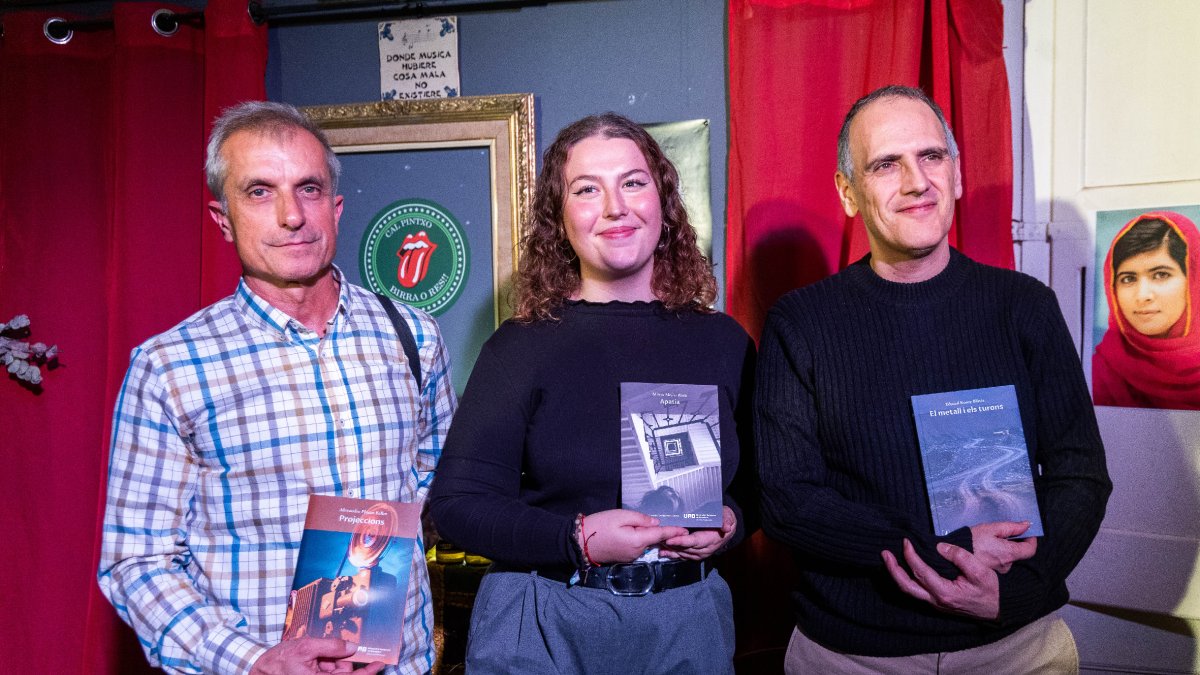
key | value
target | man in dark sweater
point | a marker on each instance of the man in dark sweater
(839, 456)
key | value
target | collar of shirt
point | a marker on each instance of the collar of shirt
(274, 320)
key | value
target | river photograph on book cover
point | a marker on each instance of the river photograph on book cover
(976, 463)
(352, 574)
(671, 452)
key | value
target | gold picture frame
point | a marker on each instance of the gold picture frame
(503, 123)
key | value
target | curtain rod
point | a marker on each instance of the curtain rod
(166, 23)
(368, 9)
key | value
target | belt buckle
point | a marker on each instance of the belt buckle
(641, 583)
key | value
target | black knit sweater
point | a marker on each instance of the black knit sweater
(536, 438)
(839, 459)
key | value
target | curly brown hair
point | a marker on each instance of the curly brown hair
(548, 273)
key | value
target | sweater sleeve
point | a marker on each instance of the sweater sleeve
(1073, 485)
(475, 496)
(799, 507)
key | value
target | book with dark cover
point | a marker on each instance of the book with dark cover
(671, 452)
(977, 467)
(352, 574)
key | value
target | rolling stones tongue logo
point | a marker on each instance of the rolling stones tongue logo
(415, 253)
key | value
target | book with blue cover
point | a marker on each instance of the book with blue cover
(352, 574)
(977, 467)
(671, 453)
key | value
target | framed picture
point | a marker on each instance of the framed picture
(465, 162)
(1145, 331)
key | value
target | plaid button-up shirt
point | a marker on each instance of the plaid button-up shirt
(223, 427)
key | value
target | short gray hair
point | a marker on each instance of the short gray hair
(845, 163)
(264, 117)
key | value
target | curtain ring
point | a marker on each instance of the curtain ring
(257, 13)
(164, 23)
(56, 31)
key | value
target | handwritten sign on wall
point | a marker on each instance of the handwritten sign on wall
(418, 58)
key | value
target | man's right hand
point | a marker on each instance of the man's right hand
(975, 593)
(991, 544)
(310, 655)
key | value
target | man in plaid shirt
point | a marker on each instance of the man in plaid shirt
(296, 384)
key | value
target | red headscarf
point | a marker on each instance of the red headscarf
(1134, 370)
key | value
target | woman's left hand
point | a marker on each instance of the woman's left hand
(700, 544)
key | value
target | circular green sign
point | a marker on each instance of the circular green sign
(414, 251)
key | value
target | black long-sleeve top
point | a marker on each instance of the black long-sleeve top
(536, 438)
(839, 458)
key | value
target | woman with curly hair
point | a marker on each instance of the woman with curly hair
(611, 288)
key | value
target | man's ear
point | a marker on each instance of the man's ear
(222, 220)
(958, 177)
(845, 194)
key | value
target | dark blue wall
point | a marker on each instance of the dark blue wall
(651, 60)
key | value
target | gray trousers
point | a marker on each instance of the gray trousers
(523, 623)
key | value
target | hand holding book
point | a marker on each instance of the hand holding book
(996, 546)
(309, 655)
(621, 535)
(703, 543)
(975, 592)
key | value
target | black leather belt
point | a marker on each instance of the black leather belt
(641, 578)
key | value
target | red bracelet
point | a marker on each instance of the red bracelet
(587, 557)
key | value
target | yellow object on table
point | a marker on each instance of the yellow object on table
(453, 585)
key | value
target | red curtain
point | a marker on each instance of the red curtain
(795, 68)
(101, 244)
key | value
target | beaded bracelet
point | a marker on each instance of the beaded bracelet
(576, 539)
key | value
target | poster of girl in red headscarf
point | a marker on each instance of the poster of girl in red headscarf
(1146, 325)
